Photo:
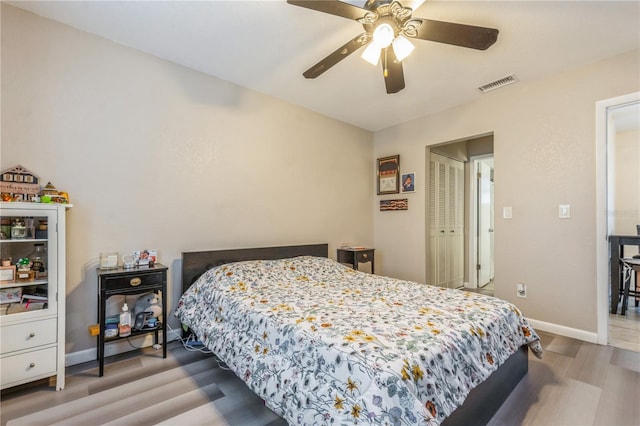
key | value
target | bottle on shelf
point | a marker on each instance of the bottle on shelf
(38, 259)
(124, 327)
(24, 271)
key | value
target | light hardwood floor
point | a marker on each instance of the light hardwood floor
(623, 330)
(576, 383)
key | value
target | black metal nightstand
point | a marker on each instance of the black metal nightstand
(354, 256)
(122, 281)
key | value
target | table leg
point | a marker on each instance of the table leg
(101, 324)
(614, 267)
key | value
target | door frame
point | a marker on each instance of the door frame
(472, 254)
(603, 130)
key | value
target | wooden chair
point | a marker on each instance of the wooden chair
(630, 268)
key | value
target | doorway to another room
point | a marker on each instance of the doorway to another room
(460, 214)
(618, 195)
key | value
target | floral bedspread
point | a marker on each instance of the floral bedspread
(322, 343)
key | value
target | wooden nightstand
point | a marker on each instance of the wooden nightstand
(353, 256)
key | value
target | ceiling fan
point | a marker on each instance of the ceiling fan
(387, 27)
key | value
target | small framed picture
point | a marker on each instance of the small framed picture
(7, 274)
(408, 182)
(388, 179)
(143, 257)
(393, 205)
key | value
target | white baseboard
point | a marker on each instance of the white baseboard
(586, 336)
(114, 348)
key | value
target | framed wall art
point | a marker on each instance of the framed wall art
(391, 205)
(388, 178)
(408, 182)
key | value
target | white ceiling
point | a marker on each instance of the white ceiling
(266, 45)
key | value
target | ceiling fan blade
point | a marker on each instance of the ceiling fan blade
(451, 33)
(338, 55)
(392, 71)
(333, 7)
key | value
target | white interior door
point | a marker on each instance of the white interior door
(485, 224)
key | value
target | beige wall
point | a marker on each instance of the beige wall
(155, 155)
(159, 156)
(626, 176)
(625, 196)
(544, 149)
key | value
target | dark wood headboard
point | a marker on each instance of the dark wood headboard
(195, 263)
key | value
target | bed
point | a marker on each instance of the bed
(322, 343)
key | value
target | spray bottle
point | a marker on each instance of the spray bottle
(124, 328)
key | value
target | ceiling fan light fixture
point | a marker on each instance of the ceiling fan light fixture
(402, 47)
(371, 54)
(383, 35)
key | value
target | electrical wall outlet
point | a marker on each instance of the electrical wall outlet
(521, 290)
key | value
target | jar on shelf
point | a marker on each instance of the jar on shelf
(108, 260)
(24, 272)
(5, 228)
(38, 258)
(41, 230)
(18, 229)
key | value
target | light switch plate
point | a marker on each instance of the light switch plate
(564, 211)
(507, 212)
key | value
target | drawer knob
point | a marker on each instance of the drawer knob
(32, 334)
(135, 282)
(364, 256)
(33, 364)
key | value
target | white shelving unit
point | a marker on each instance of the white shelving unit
(32, 335)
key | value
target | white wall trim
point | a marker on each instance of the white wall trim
(562, 330)
(114, 348)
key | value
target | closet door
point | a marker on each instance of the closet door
(446, 195)
(455, 224)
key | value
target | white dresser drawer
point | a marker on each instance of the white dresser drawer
(31, 365)
(27, 335)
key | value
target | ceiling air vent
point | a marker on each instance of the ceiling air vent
(504, 81)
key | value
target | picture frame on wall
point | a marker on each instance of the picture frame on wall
(394, 205)
(408, 182)
(388, 177)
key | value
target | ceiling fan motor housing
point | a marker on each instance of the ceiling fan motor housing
(385, 12)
